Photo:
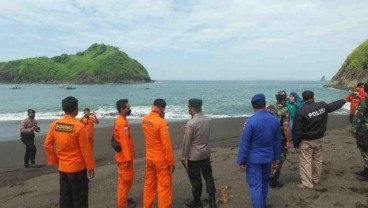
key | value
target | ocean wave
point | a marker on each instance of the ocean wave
(109, 112)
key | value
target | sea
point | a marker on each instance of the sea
(221, 99)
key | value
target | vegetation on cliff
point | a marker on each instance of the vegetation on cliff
(100, 63)
(353, 70)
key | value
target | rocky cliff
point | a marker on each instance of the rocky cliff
(353, 70)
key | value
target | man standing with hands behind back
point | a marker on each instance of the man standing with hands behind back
(260, 145)
(160, 162)
(125, 157)
(67, 146)
(196, 153)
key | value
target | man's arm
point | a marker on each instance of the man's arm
(286, 127)
(297, 129)
(24, 129)
(124, 143)
(277, 143)
(95, 119)
(359, 115)
(51, 155)
(85, 149)
(245, 138)
(335, 105)
(188, 132)
(166, 142)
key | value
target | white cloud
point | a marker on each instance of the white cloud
(230, 31)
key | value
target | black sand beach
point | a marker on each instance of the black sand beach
(38, 187)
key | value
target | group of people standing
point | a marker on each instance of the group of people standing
(69, 145)
(267, 136)
(265, 141)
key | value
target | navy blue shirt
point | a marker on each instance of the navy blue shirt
(260, 140)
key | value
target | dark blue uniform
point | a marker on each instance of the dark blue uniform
(259, 146)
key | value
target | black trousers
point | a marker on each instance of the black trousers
(74, 189)
(195, 169)
(28, 140)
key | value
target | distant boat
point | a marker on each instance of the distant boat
(70, 87)
(16, 87)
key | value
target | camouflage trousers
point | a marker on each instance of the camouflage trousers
(364, 154)
(276, 170)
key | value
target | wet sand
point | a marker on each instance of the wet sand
(38, 187)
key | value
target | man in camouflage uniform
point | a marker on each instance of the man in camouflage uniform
(281, 111)
(357, 120)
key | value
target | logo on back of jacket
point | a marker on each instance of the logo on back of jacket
(317, 112)
(68, 128)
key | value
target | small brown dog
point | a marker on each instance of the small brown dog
(224, 195)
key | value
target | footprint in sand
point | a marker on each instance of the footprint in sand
(337, 204)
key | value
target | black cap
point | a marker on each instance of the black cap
(360, 84)
(307, 95)
(31, 111)
(195, 103)
(159, 103)
(281, 95)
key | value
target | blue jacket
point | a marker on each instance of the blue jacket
(260, 140)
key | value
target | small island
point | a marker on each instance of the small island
(100, 63)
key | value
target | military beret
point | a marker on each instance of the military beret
(258, 97)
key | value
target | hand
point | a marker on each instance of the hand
(90, 174)
(184, 161)
(172, 169)
(126, 164)
(353, 135)
(243, 167)
(297, 150)
(288, 144)
(275, 163)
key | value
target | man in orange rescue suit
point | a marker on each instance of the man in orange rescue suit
(125, 157)
(67, 146)
(88, 120)
(160, 162)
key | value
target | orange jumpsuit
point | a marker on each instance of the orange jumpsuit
(123, 136)
(66, 145)
(90, 128)
(355, 100)
(159, 158)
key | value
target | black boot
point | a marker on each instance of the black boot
(362, 173)
(194, 204)
(275, 184)
(212, 200)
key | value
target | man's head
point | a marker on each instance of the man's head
(123, 107)
(366, 87)
(70, 105)
(360, 84)
(258, 101)
(31, 113)
(281, 96)
(86, 112)
(308, 95)
(194, 106)
(160, 105)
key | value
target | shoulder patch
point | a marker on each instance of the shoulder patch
(68, 128)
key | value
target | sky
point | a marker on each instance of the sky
(194, 39)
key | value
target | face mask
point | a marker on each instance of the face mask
(127, 113)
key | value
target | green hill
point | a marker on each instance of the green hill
(100, 63)
(353, 70)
